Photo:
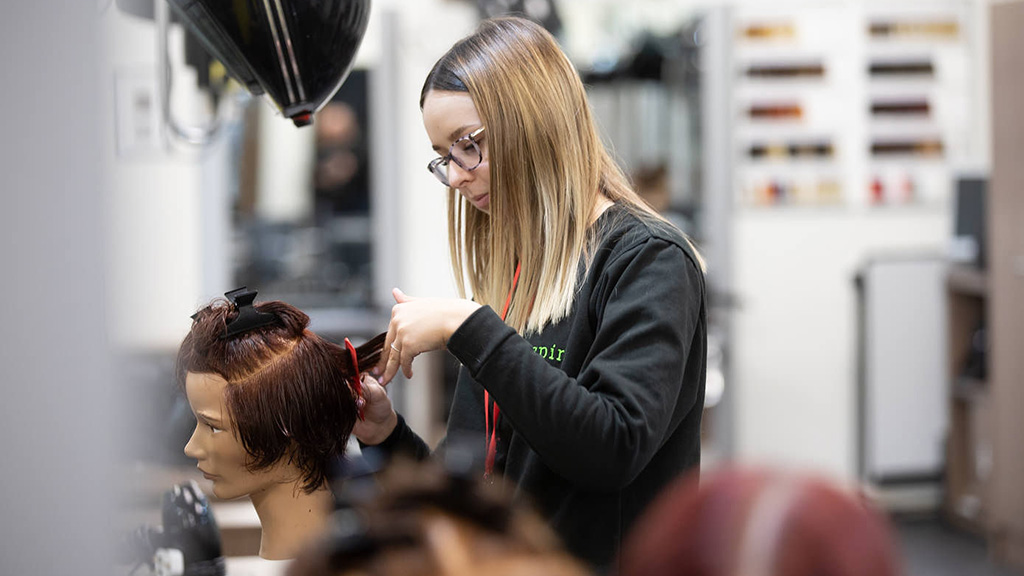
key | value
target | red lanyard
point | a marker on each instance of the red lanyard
(491, 416)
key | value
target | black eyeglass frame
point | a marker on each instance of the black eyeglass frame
(438, 166)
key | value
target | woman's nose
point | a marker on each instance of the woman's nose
(457, 175)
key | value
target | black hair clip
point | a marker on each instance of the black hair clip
(248, 317)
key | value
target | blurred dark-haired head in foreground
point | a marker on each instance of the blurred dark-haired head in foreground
(760, 522)
(423, 520)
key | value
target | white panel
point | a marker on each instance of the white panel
(905, 359)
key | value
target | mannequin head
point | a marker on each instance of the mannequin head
(274, 404)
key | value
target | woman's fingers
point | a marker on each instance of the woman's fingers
(392, 365)
(418, 325)
(401, 297)
(393, 357)
(390, 351)
(373, 392)
(406, 364)
(379, 416)
(400, 357)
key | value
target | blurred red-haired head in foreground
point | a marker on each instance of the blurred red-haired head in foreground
(759, 522)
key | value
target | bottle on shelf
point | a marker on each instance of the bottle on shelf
(909, 67)
(935, 29)
(916, 107)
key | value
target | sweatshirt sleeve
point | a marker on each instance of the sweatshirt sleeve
(402, 440)
(600, 429)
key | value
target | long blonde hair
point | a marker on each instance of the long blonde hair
(547, 163)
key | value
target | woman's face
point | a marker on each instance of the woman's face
(220, 455)
(448, 116)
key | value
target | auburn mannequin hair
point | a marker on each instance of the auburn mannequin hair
(289, 392)
(760, 522)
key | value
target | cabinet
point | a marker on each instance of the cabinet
(969, 448)
(1006, 283)
(985, 458)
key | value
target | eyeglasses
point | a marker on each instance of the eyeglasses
(465, 152)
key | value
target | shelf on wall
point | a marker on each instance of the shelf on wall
(967, 280)
(905, 84)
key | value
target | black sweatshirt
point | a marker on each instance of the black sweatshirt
(601, 410)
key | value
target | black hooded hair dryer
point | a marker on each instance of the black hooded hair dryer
(298, 52)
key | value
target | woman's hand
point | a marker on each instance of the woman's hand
(379, 417)
(419, 325)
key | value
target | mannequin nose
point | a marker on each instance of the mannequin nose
(192, 449)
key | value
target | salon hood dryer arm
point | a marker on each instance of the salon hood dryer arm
(296, 52)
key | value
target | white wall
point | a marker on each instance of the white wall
(794, 332)
(404, 40)
(159, 210)
(795, 328)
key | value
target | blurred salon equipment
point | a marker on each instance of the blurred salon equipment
(296, 53)
(187, 543)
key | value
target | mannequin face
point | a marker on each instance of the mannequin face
(448, 116)
(220, 455)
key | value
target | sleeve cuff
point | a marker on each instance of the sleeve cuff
(401, 440)
(478, 337)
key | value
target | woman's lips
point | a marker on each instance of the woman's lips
(482, 201)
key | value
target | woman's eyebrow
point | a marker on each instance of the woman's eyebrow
(459, 132)
(455, 135)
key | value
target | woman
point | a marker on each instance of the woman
(583, 347)
(274, 406)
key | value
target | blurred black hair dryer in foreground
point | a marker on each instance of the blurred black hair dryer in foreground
(188, 543)
(296, 51)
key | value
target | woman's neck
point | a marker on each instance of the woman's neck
(603, 203)
(290, 518)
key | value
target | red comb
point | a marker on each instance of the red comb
(357, 385)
